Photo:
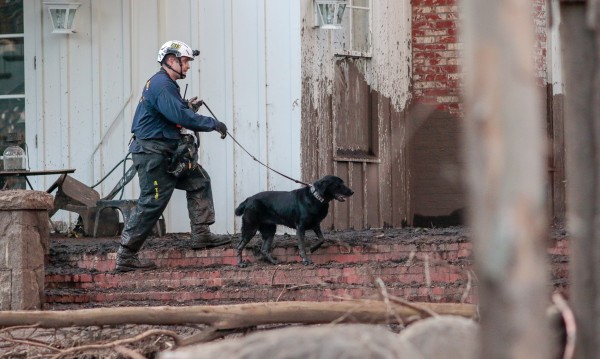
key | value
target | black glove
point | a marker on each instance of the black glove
(195, 104)
(222, 129)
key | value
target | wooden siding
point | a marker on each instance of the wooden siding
(353, 118)
(363, 142)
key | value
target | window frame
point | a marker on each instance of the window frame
(20, 136)
(349, 29)
(374, 142)
(12, 36)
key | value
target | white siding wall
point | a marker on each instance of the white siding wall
(254, 48)
(82, 95)
(78, 94)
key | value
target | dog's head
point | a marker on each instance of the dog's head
(332, 187)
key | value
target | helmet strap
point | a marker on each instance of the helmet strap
(180, 72)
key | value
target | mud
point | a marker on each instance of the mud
(62, 246)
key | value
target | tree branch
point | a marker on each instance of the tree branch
(237, 315)
(119, 343)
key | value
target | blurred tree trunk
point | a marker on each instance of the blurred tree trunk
(579, 40)
(505, 156)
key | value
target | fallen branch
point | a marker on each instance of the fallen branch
(423, 310)
(129, 353)
(34, 343)
(12, 328)
(386, 300)
(209, 335)
(119, 343)
(568, 318)
(286, 288)
(236, 315)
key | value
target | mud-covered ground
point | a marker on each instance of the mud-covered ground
(62, 245)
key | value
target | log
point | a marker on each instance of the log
(235, 315)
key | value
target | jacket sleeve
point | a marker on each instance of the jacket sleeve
(175, 110)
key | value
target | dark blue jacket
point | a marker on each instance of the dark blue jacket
(161, 109)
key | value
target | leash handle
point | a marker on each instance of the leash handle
(249, 154)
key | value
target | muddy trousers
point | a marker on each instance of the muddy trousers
(156, 188)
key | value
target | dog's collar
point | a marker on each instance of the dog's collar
(314, 192)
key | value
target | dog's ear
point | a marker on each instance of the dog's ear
(321, 185)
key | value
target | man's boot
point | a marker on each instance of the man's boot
(202, 238)
(128, 260)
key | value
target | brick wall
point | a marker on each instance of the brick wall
(435, 147)
(437, 51)
(541, 41)
(436, 54)
(430, 268)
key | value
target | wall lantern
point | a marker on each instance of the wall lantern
(329, 13)
(62, 15)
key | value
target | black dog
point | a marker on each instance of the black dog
(301, 209)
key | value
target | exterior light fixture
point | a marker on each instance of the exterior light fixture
(329, 13)
(62, 15)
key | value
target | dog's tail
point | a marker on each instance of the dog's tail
(241, 208)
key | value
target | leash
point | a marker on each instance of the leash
(249, 154)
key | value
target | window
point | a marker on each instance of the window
(357, 25)
(12, 73)
(356, 137)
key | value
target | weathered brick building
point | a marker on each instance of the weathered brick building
(436, 80)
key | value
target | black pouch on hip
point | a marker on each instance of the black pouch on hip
(185, 158)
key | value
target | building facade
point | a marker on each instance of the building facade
(376, 103)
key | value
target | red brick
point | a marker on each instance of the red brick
(422, 3)
(455, 277)
(266, 282)
(429, 17)
(445, 24)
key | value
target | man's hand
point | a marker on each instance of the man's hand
(195, 104)
(222, 129)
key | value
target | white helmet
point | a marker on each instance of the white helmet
(178, 48)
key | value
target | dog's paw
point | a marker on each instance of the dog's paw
(243, 264)
(307, 262)
(316, 246)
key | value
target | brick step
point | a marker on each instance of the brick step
(194, 295)
(102, 259)
(435, 266)
(81, 273)
(257, 275)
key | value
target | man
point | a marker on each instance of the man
(160, 117)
